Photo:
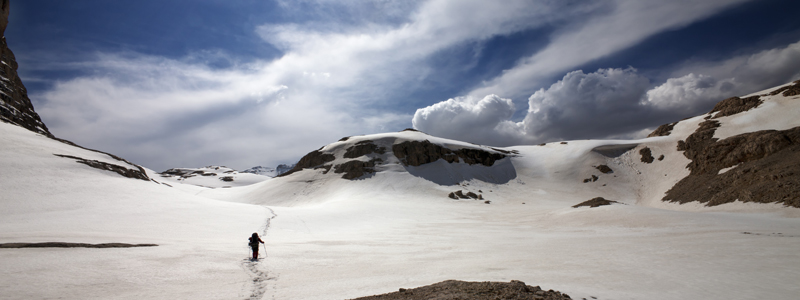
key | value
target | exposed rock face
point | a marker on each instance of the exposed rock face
(460, 195)
(698, 140)
(595, 202)
(311, 160)
(363, 148)
(73, 245)
(789, 90)
(416, 153)
(735, 105)
(355, 168)
(130, 173)
(647, 156)
(592, 179)
(663, 130)
(453, 289)
(766, 167)
(15, 107)
(604, 169)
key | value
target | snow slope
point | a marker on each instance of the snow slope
(48, 198)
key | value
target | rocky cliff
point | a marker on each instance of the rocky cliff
(15, 106)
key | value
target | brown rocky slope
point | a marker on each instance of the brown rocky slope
(453, 290)
(760, 167)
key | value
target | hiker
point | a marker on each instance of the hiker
(254, 240)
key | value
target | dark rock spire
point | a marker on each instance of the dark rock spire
(15, 106)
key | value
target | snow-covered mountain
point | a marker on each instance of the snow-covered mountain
(742, 151)
(269, 171)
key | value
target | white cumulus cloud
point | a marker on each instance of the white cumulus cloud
(620, 103)
(484, 120)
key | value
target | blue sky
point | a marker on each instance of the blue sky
(244, 83)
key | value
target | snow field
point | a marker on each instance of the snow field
(51, 199)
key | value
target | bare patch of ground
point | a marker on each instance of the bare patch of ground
(363, 148)
(789, 90)
(460, 195)
(604, 169)
(595, 202)
(453, 290)
(592, 179)
(72, 245)
(647, 156)
(355, 168)
(735, 105)
(663, 130)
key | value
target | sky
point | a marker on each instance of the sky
(190, 83)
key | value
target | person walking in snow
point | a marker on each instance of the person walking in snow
(254, 240)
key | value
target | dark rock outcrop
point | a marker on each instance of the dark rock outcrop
(129, 173)
(604, 169)
(789, 90)
(460, 195)
(453, 289)
(15, 106)
(663, 130)
(312, 160)
(72, 245)
(697, 142)
(355, 168)
(766, 167)
(735, 105)
(363, 148)
(591, 179)
(595, 202)
(416, 153)
(647, 156)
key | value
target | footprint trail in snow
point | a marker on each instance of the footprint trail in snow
(259, 276)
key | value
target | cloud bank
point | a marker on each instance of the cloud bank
(614, 102)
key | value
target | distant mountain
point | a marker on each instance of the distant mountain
(271, 172)
(211, 177)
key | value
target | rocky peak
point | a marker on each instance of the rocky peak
(15, 106)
